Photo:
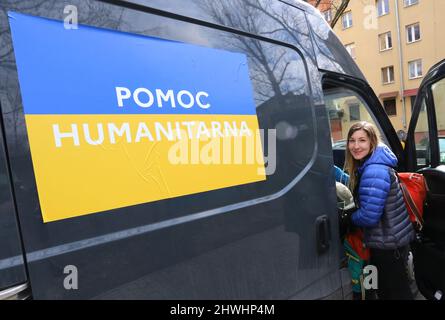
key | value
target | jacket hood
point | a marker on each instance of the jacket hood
(381, 155)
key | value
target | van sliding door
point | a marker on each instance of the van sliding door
(12, 269)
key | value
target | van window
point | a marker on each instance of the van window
(345, 108)
(282, 99)
(421, 138)
(277, 81)
(439, 105)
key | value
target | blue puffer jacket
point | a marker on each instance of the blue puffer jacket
(382, 210)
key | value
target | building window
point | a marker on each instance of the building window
(382, 7)
(347, 20)
(390, 107)
(388, 75)
(410, 2)
(327, 15)
(354, 111)
(415, 69)
(351, 49)
(385, 41)
(413, 32)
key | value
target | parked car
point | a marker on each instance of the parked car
(338, 150)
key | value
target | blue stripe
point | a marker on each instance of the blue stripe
(63, 71)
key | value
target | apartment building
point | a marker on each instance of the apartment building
(394, 42)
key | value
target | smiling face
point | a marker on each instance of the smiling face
(359, 144)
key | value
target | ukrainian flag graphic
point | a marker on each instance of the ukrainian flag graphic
(116, 119)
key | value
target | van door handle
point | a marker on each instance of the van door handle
(323, 233)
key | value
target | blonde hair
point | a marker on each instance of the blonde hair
(351, 165)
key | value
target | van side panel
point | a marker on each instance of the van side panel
(254, 241)
(12, 269)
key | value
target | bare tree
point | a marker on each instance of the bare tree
(269, 64)
(337, 8)
(90, 13)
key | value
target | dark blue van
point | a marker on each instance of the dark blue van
(98, 202)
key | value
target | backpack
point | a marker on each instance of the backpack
(357, 257)
(414, 189)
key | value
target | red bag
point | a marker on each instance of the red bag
(355, 240)
(414, 189)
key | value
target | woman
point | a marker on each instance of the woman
(381, 210)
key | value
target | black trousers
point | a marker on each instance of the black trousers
(393, 281)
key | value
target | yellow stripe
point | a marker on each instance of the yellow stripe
(78, 180)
